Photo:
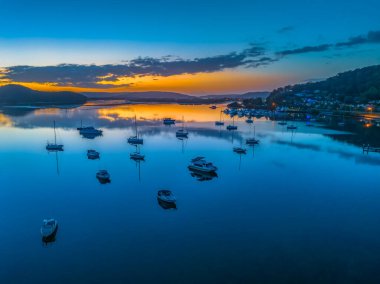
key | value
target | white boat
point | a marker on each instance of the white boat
(169, 121)
(135, 139)
(200, 164)
(103, 175)
(166, 196)
(182, 133)
(240, 150)
(54, 146)
(48, 229)
(93, 154)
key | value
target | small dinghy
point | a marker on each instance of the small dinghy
(166, 196)
(249, 120)
(93, 155)
(103, 176)
(49, 229)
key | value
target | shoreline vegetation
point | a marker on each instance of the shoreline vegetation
(349, 92)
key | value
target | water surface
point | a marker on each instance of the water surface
(301, 207)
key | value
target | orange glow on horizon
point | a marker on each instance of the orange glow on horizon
(202, 113)
(198, 84)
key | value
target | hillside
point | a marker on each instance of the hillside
(249, 95)
(13, 95)
(357, 86)
(138, 95)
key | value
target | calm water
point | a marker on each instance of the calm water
(301, 207)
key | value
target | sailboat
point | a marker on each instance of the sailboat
(135, 139)
(137, 155)
(240, 150)
(220, 122)
(233, 126)
(54, 146)
(182, 133)
(252, 141)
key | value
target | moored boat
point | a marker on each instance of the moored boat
(166, 196)
(240, 150)
(201, 165)
(103, 176)
(252, 141)
(135, 140)
(292, 127)
(49, 229)
(137, 156)
(169, 121)
(93, 154)
(54, 147)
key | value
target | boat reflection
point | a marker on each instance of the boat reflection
(90, 135)
(203, 176)
(51, 238)
(166, 205)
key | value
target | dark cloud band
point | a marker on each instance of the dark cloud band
(89, 75)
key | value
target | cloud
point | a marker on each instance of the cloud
(305, 49)
(371, 37)
(110, 75)
(286, 29)
(90, 75)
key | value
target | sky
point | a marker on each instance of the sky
(193, 47)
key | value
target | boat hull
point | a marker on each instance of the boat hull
(201, 170)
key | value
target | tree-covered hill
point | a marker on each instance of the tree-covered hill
(356, 86)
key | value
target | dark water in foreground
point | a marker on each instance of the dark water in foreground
(299, 208)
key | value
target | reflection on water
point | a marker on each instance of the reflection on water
(302, 204)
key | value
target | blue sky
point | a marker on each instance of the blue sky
(47, 33)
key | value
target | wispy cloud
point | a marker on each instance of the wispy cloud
(285, 29)
(305, 49)
(370, 38)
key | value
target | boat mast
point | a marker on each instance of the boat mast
(55, 135)
(135, 126)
